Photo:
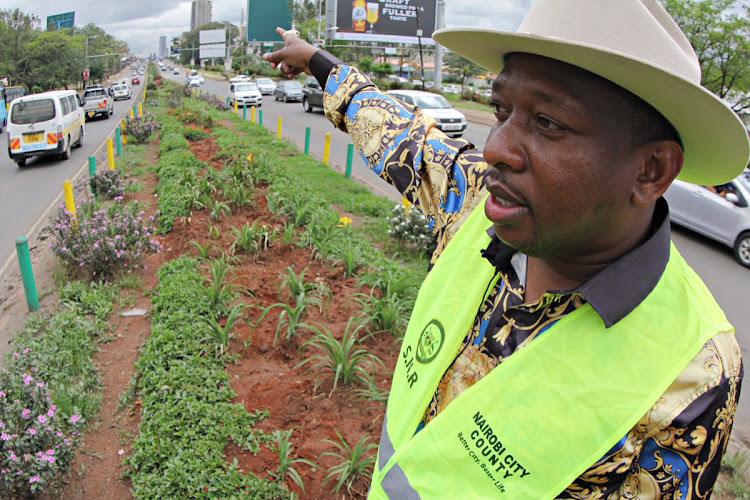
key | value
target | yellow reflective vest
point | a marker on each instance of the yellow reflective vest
(548, 412)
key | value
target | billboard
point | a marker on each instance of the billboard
(213, 43)
(58, 21)
(263, 17)
(391, 21)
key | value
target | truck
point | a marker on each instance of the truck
(97, 101)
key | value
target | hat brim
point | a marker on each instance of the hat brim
(715, 140)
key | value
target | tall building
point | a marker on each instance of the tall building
(243, 26)
(200, 13)
(163, 47)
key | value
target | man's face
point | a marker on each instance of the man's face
(562, 163)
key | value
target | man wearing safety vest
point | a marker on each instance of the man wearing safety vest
(560, 347)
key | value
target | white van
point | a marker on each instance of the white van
(245, 93)
(43, 124)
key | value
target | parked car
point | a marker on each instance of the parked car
(14, 92)
(265, 85)
(398, 78)
(288, 90)
(193, 83)
(121, 91)
(312, 95)
(448, 119)
(49, 123)
(97, 102)
(245, 93)
(452, 88)
(136, 80)
(720, 212)
(239, 78)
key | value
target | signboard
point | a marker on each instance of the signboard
(85, 74)
(59, 21)
(391, 21)
(263, 17)
(213, 43)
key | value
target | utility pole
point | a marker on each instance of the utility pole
(421, 56)
(320, 3)
(439, 24)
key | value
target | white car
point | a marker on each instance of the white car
(121, 92)
(448, 119)
(245, 93)
(265, 85)
(720, 212)
(452, 88)
(193, 82)
(44, 124)
(240, 78)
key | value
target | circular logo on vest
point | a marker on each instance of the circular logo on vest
(430, 341)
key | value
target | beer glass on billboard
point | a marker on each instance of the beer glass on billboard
(373, 9)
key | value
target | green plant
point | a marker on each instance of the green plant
(298, 287)
(240, 195)
(342, 360)
(411, 227)
(289, 320)
(287, 235)
(107, 184)
(221, 334)
(253, 238)
(355, 464)
(351, 260)
(219, 293)
(287, 461)
(735, 466)
(203, 250)
(369, 389)
(214, 231)
(384, 313)
(140, 128)
(217, 209)
(195, 134)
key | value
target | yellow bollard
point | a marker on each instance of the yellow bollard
(235, 106)
(110, 154)
(122, 124)
(140, 109)
(70, 204)
(327, 148)
(124, 137)
(132, 115)
(278, 128)
(252, 114)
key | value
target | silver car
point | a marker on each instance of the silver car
(719, 212)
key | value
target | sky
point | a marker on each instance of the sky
(141, 22)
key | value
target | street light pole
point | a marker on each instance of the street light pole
(320, 2)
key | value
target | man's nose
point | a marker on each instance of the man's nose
(505, 145)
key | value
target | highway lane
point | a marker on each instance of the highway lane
(726, 279)
(25, 193)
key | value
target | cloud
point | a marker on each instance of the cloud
(140, 23)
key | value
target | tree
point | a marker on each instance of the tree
(16, 31)
(462, 67)
(54, 59)
(720, 36)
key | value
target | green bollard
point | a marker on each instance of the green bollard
(135, 110)
(92, 172)
(27, 274)
(200, 93)
(349, 158)
(118, 141)
(227, 101)
(244, 111)
(260, 117)
(307, 140)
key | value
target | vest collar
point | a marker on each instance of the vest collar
(619, 288)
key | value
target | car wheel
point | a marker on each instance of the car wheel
(106, 115)
(66, 153)
(742, 249)
(276, 97)
(79, 142)
(21, 162)
(306, 105)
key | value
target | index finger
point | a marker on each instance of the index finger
(275, 57)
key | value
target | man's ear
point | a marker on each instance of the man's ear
(662, 161)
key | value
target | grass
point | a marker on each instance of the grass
(735, 468)
(475, 106)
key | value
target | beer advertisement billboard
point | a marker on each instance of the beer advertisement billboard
(392, 21)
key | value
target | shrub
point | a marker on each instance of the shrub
(107, 184)
(36, 443)
(195, 134)
(411, 227)
(141, 128)
(103, 241)
(151, 86)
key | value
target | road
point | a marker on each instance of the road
(26, 193)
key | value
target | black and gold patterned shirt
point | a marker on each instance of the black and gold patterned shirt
(675, 450)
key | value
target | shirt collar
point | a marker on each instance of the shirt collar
(620, 287)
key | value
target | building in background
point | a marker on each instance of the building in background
(163, 47)
(59, 21)
(200, 13)
(243, 26)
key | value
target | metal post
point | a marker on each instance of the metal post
(135, 110)
(27, 273)
(70, 202)
(140, 110)
(252, 114)
(440, 23)
(260, 117)
(110, 154)
(92, 172)
(349, 158)
(327, 148)
(244, 111)
(307, 140)
(118, 141)
(278, 128)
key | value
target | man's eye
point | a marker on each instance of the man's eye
(548, 124)
(500, 111)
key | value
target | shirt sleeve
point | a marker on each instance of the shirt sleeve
(443, 177)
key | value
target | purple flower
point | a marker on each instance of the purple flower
(5, 437)
(26, 413)
(41, 418)
(31, 431)
(34, 479)
(74, 418)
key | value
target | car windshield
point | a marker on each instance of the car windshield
(246, 87)
(94, 93)
(293, 85)
(121, 87)
(264, 81)
(431, 102)
(39, 110)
